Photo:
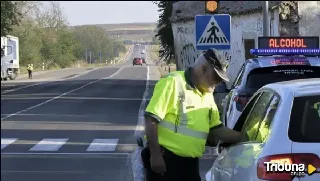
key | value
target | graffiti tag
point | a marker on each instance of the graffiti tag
(188, 55)
(184, 30)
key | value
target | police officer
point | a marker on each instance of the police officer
(181, 117)
(30, 69)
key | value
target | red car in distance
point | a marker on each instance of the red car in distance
(137, 61)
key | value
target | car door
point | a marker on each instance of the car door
(304, 132)
(236, 159)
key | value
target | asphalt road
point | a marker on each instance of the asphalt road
(76, 129)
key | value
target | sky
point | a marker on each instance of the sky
(109, 12)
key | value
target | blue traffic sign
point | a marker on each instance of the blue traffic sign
(213, 31)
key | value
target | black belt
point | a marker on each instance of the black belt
(145, 155)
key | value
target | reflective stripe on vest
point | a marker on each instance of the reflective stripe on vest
(182, 121)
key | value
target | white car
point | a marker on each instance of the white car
(280, 123)
(261, 71)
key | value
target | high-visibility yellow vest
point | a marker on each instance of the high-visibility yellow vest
(260, 135)
(184, 129)
(30, 67)
(317, 107)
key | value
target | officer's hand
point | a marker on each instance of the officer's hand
(157, 164)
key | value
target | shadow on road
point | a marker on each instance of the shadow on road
(80, 111)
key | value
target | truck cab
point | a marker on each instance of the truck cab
(9, 57)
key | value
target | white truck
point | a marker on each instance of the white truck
(10, 66)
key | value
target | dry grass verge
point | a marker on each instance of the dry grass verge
(153, 52)
(165, 69)
(82, 63)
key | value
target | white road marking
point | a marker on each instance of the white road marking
(49, 144)
(7, 141)
(57, 97)
(53, 115)
(9, 97)
(12, 90)
(140, 124)
(103, 145)
(79, 75)
(23, 87)
(59, 153)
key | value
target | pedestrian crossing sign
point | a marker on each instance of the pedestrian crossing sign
(213, 31)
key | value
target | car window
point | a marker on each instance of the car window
(243, 116)
(259, 77)
(305, 119)
(265, 126)
(239, 77)
(250, 131)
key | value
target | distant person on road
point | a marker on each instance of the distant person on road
(181, 118)
(30, 69)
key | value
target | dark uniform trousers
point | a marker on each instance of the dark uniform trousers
(30, 74)
(177, 168)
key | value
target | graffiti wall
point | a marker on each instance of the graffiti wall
(184, 41)
(309, 11)
(248, 26)
(185, 51)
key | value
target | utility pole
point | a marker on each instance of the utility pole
(86, 55)
(266, 21)
(90, 56)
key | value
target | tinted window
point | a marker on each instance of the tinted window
(248, 45)
(262, 76)
(255, 117)
(242, 118)
(305, 119)
(2, 52)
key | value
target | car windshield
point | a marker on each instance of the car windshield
(259, 77)
(305, 119)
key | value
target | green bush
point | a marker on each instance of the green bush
(45, 37)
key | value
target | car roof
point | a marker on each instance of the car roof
(262, 62)
(297, 88)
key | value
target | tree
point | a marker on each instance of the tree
(9, 17)
(155, 40)
(165, 34)
(44, 36)
(95, 40)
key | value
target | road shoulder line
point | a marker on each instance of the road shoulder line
(31, 85)
(57, 97)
